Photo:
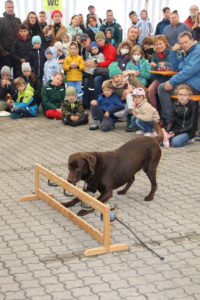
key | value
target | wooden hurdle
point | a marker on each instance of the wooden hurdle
(103, 238)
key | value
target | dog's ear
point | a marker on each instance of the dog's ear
(91, 159)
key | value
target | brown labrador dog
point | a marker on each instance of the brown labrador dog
(106, 171)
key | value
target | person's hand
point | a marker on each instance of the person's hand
(168, 86)
(12, 109)
(58, 109)
(153, 64)
(93, 102)
(4, 53)
(126, 92)
(171, 133)
(162, 63)
(134, 113)
(176, 47)
(49, 32)
(73, 65)
(107, 114)
(74, 118)
(90, 64)
(9, 101)
(3, 83)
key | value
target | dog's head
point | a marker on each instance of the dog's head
(80, 165)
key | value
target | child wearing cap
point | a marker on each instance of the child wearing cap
(96, 56)
(72, 109)
(34, 81)
(25, 105)
(20, 49)
(8, 90)
(143, 114)
(60, 55)
(51, 66)
(37, 57)
(74, 66)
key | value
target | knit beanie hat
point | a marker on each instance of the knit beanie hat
(58, 45)
(26, 67)
(94, 44)
(36, 39)
(5, 71)
(114, 69)
(100, 35)
(70, 91)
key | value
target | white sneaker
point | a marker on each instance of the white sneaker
(150, 134)
(139, 132)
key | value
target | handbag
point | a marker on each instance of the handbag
(103, 71)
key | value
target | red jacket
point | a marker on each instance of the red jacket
(189, 23)
(110, 55)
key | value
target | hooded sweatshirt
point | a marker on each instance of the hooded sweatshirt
(146, 29)
(51, 66)
(74, 74)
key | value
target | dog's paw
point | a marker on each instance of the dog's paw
(121, 192)
(84, 212)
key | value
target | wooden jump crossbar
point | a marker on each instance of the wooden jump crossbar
(103, 238)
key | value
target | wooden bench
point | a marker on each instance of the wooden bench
(194, 97)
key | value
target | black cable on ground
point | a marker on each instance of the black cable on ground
(141, 242)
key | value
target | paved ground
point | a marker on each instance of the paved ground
(42, 253)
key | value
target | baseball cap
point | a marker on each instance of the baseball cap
(84, 36)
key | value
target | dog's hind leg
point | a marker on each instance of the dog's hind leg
(151, 173)
(70, 203)
(125, 189)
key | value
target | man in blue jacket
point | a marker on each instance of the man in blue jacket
(184, 59)
(165, 21)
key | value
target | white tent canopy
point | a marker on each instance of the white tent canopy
(121, 8)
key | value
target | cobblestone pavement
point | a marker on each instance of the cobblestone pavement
(42, 252)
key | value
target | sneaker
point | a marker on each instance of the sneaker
(139, 132)
(131, 127)
(95, 125)
(191, 141)
(150, 134)
(166, 138)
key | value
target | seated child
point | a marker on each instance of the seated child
(74, 66)
(20, 49)
(143, 114)
(104, 108)
(182, 125)
(109, 37)
(148, 47)
(160, 61)
(72, 109)
(123, 54)
(96, 56)
(53, 94)
(31, 78)
(51, 66)
(138, 65)
(66, 39)
(25, 105)
(8, 90)
(37, 57)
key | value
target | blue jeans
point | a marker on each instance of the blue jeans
(77, 86)
(144, 126)
(98, 114)
(179, 140)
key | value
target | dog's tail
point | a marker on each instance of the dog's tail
(159, 132)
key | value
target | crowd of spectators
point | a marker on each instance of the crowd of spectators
(88, 65)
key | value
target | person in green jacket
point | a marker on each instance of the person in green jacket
(138, 65)
(72, 109)
(53, 94)
(111, 22)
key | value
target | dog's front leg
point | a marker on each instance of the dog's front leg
(103, 198)
(70, 203)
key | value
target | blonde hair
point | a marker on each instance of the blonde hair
(107, 84)
(122, 45)
(184, 86)
(19, 81)
(196, 22)
(137, 48)
(161, 37)
(59, 73)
